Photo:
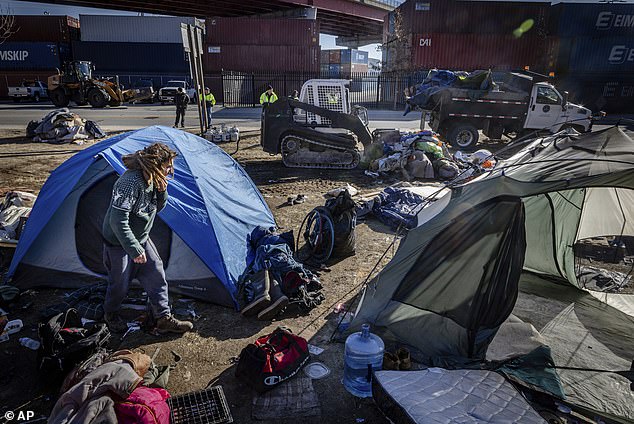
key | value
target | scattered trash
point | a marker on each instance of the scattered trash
(341, 307)
(63, 126)
(315, 350)
(563, 408)
(371, 174)
(187, 375)
(13, 326)
(335, 192)
(345, 323)
(132, 327)
(316, 370)
(188, 312)
(30, 343)
(360, 420)
(85, 321)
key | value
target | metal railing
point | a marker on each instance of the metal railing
(372, 90)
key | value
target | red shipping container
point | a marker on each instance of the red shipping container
(472, 51)
(256, 31)
(470, 17)
(13, 78)
(250, 58)
(335, 56)
(57, 29)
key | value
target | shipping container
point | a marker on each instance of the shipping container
(52, 29)
(587, 19)
(13, 78)
(29, 56)
(349, 68)
(251, 58)
(256, 31)
(612, 93)
(472, 51)
(354, 56)
(324, 68)
(133, 57)
(334, 69)
(132, 29)
(324, 57)
(468, 17)
(335, 56)
(592, 54)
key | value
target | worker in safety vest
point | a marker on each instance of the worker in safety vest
(209, 102)
(268, 97)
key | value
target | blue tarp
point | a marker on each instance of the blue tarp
(213, 204)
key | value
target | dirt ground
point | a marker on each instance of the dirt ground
(220, 334)
(207, 354)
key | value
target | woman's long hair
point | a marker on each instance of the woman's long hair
(151, 161)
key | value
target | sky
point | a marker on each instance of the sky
(31, 8)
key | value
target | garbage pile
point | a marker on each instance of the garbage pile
(421, 155)
(416, 155)
(63, 126)
(439, 80)
(14, 212)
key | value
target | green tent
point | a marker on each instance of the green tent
(457, 276)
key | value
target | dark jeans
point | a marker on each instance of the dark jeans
(180, 114)
(122, 269)
(209, 117)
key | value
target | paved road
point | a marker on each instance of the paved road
(136, 116)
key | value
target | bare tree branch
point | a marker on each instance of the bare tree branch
(7, 24)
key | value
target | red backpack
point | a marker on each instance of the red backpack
(272, 359)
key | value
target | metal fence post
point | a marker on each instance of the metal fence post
(222, 87)
(253, 88)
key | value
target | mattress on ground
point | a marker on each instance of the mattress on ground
(436, 395)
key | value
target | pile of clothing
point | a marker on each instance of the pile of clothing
(437, 81)
(63, 126)
(290, 282)
(14, 211)
(394, 207)
(123, 387)
(417, 155)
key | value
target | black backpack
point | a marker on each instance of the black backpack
(65, 342)
(344, 218)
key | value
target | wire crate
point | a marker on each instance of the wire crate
(207, 406)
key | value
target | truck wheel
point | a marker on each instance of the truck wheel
(36, 98)
(115, 103)
(59, 97)
(463, 135)
(97, 98)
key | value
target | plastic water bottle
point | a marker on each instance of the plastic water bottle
(30, 343)
(363, 354)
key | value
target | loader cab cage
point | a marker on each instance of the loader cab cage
(78, 71)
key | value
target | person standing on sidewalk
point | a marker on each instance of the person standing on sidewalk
(180, 100)
(268, 97)
(210, 101)
(137, 196)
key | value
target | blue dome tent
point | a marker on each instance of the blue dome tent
(201, 234)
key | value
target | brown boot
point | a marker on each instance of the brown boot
(405, 361)
(169, 324)
(277, 304)
(390, 361)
